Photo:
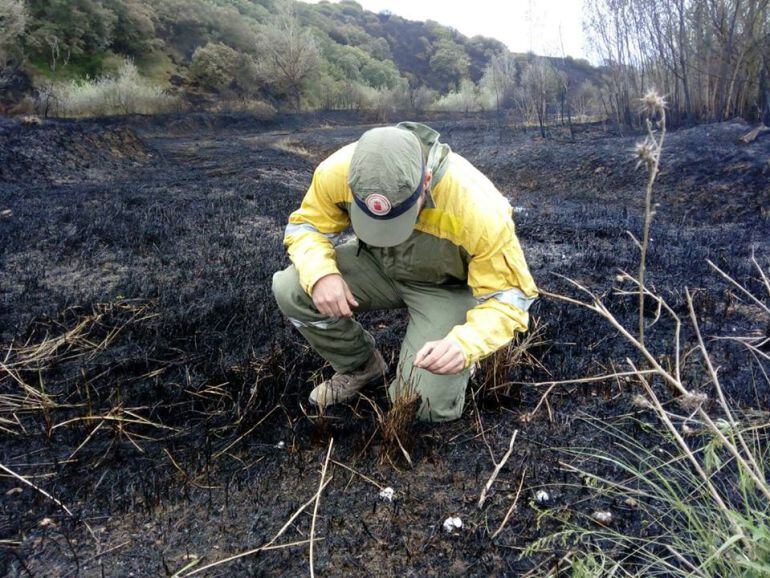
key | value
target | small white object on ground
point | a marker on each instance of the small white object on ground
(602, 516)
(452, 523)
(542, 497)
(387, 494)
(280, 445)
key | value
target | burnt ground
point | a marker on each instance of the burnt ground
(172, 420)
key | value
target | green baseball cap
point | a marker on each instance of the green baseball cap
(386, 176)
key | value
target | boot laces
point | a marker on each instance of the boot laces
(340, 381)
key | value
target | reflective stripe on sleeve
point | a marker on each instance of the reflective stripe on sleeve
(513, 296)
(293, 228)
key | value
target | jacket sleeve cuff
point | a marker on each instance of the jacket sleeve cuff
(459, 334)
(308, 279)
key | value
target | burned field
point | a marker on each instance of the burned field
(151, 389)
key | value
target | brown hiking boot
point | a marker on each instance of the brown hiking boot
(343, 387)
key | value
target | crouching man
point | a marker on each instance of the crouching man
(433, 235)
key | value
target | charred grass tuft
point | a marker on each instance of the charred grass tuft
(397, 423)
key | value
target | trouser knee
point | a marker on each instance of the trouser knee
(439, 408)
(442, 397)
(288, 293)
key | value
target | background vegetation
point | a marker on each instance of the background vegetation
(281, 54)
(711, 58)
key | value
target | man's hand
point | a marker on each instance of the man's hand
(332, 296)
(442, 357)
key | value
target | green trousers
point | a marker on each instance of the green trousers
(376, 283)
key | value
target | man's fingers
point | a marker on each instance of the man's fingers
(426, 349)
(323, 309)
(430, 360)
(448, 359)
(329, 308)
(451, 367)
(343, 307)
(349, 296)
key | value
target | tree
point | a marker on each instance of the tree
(499, 79)
(291, 53)
(13, 21)
(449, 63)
(214, 65)
(706, 56)
(134, 33)
(61, 29)
(464, 99)
(540, 82)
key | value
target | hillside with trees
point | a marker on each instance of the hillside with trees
(94, 57)
(87, 57)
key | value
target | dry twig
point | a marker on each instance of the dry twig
(317, 501)
(512, 508)
(498, 466)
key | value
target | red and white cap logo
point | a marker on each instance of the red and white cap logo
(378, 204)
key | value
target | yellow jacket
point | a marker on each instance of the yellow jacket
(466, 210)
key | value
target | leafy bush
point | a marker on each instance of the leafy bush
(465, 99)
(213, 65)
(125, 93)
(13, 20)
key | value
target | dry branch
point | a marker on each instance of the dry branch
(317, 501)
(498, 466)
(512, 508)
(753, 134)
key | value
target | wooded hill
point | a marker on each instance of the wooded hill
(276, 52)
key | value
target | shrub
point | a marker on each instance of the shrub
(125, 93)
(13, 20)
(465, 99)
(378, 104)
(214, 65)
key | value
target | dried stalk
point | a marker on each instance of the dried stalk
(359, 474)
(741, 288)
(317, 501)
(649, 153)
(512, 508)
(498, 466)
(690, 456)
(25, 481)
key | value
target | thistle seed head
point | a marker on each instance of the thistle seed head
(641, 401)
(645, 152)
(653, 103)
(692, 400)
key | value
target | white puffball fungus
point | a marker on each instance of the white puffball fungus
(387, 494)
(452, 523)
(542, 497)
(602, 516)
